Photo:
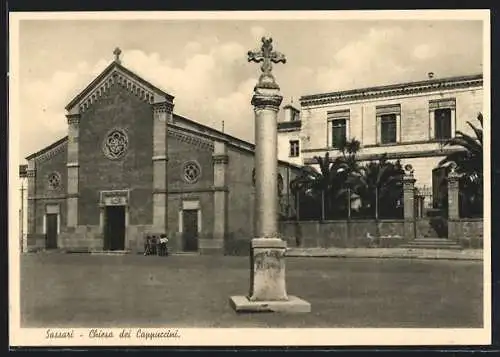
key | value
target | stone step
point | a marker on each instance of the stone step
(110, 252)
(432, 246)
(419, 244)
(434, 240)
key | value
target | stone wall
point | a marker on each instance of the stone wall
(240, 202)
(180, 152)
(44, 194)
(175, 201)
(118, 108)
(468, 231)
(343, 233)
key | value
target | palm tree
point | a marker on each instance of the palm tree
(379, 185)
(469, 164)
(326, 185)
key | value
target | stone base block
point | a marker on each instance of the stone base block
(292, 305)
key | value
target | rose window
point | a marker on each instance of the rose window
(191, 171)
(54, 180)
(115, 144)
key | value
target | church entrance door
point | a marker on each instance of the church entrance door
(190, 230)
(51, 232)
(114, 232)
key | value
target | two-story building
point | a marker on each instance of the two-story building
(407, 121)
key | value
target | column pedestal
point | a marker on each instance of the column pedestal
(267, 281)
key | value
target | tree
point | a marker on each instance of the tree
(379, 185)
(326, 186)
(469, 164)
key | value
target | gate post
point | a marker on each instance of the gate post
(453, 202)
(409, 203)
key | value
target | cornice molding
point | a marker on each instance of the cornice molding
(114, 71)
(116, 78)
(160, 158)
(394, 155)
(47, 197)
(381, 146)
(47, 155)
(393, 90)
(191, 139)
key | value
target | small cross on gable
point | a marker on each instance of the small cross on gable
(117, 52)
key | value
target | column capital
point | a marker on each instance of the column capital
(409, 182)
(31, 173)
(271, 100)
(163, 107)
(73, 118)
(220, 159)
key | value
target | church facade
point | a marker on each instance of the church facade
(130, 166)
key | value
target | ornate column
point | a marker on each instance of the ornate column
(267, 272)
(162, 114)
(73, 168)
(409, 203)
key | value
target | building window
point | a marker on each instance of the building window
(339, 132)
(388, 124)
(191, 171)
(338, 128)
(54, 180)
(294, 148)
(442, 124)
(388, 128)
(295, 115)
(442, 118)
(115, 144)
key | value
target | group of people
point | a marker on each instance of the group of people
(156, 245)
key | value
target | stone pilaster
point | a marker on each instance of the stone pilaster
(31, 174)
(162, 114)
(409, 205)
(220, 161)
(73, 169)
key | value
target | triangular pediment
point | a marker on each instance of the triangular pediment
(116, 74)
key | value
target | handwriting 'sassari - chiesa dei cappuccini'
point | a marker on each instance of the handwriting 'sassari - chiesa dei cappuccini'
(130, 166)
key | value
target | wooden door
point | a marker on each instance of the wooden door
(51, 231)
(114, 233)
(190, 230)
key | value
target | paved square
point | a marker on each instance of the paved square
(193, 291)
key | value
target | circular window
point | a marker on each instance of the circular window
(191, 171)
(54, 180)
(115, 144)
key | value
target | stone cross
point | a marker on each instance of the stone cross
(267, 56)
(117, 52)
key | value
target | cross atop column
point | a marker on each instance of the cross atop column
(117, 52)
(267, 56)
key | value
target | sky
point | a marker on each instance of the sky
(203, 63)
